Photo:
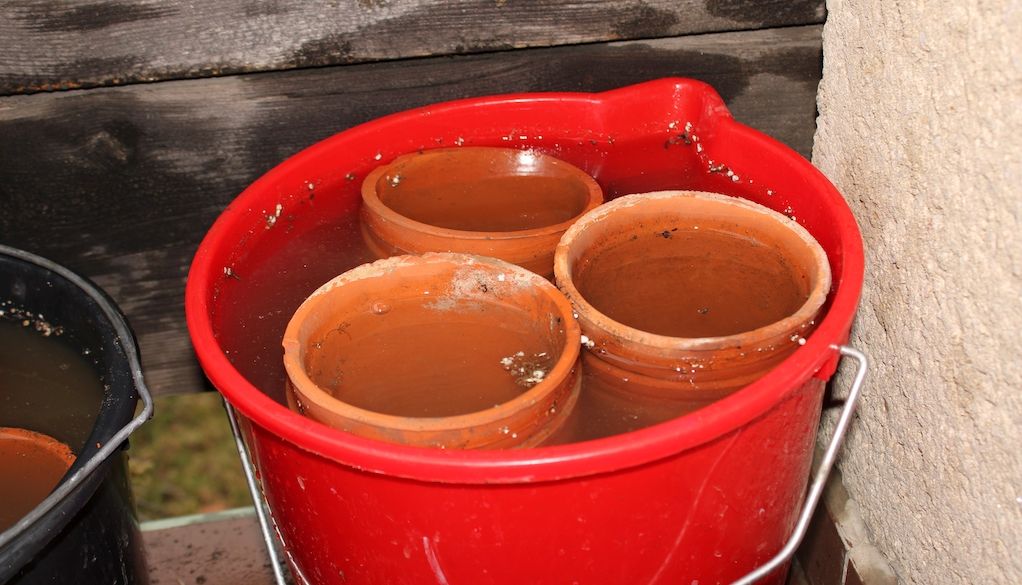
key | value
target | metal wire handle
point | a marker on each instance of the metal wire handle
(809, 506)
(127, 344)
(257, 498)
(820, 479)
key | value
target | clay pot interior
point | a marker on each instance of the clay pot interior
(38, 462)
(501, 202)
(692, 287)
(440, 350)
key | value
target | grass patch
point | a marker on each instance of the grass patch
(184, 461)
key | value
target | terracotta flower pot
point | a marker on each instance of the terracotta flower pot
(38, 462)
(500, 202)
(439, 350)
(681, 292)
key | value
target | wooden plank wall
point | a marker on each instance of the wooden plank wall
(127, 126)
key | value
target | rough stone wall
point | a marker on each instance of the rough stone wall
(921, 128)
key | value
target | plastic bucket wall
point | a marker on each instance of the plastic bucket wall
(91, 535)
(704, 498)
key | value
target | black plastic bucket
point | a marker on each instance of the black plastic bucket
(85, 531)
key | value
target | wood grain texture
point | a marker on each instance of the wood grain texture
(49, 44)
(122, 183)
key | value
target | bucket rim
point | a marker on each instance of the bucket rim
(818, 357)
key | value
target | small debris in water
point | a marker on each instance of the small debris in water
(349, 177)
(229, 273)
(271, 218)
(395, 180)
(379, 155)
(703, 310)
(459, 141)
(588, 342)
(527, 370)
(310, 185)
(380, 308)
(801, 340)
(770, 192)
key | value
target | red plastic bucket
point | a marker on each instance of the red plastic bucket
(701, 499)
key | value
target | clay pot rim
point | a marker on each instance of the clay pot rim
(668, 344)
(49, 444)
(309, 391)
(371, 200)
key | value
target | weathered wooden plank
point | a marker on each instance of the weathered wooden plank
(122, 183)
(46, 44)
(226, 549)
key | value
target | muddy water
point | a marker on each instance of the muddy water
(421, 362)
(50, 388)
(257, 304)
(31, 465)
(490, 204)
(685, 282)
(46, 385)
(602, 411)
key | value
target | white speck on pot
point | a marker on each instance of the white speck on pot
(801, 340)
(459, 141)
(379, 155)
(395, 180)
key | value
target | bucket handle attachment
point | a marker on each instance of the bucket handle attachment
(820, 479)
(127, 344)
(808, 507)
